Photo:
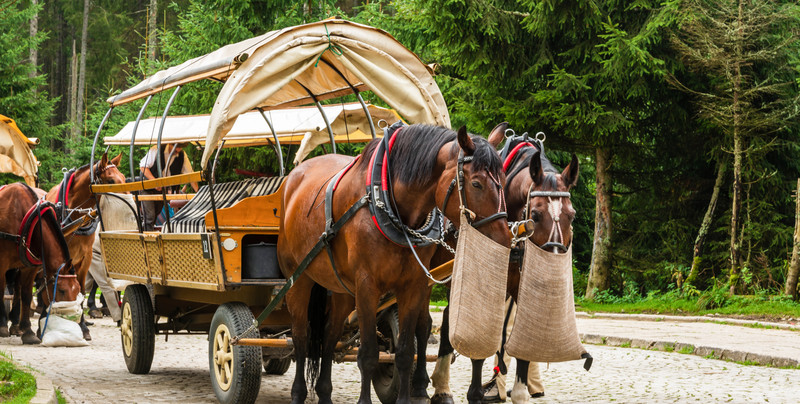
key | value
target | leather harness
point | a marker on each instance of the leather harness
(41, 210)
(381, 215)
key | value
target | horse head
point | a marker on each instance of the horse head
(541, 199)
(107, 172)
(478, 179)
(65, 287)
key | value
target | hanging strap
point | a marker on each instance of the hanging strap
(323, 240)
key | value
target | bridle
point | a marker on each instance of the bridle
(523, 229)
(556, 238)
(62, 199)
(470, 215)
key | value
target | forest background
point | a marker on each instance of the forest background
(684, 114)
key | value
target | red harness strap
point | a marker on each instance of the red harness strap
(346, 169)
(513, 153)
(66, 194)
(31, 228)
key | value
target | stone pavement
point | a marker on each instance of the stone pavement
(97, 374)
(705, 337)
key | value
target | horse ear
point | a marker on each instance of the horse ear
(498, 134)
(115, 161)
(535, 167)
(570, 174)
(103, 161)
(465, 141)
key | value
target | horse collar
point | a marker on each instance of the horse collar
(382, 203)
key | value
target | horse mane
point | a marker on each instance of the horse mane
(549, 182)
(416, 148)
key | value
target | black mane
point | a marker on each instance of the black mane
(416, 148)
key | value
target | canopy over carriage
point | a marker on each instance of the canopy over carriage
(197, 266)
(16, 156)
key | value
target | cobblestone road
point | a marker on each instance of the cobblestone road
(97, 374)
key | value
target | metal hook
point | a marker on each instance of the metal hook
(511, 131)
(383, 124)
(540, 136)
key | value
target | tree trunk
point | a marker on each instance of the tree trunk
(82, 73)
(34, 30)
(601, 249)
(152, 45)
(794, 264)
(737, 162)
(706, 225)
(73, 90)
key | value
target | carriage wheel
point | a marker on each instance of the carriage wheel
(235, 369)
(386, 380)
(277, 366)
(138, 329)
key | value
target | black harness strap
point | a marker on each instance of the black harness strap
(329, 232)
(324, 239)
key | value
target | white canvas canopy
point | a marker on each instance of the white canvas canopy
(15, 152)
(296, 65)
(302, 126)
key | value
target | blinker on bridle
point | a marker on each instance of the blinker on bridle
(459, 180)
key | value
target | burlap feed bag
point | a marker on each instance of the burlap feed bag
(477, 293)
(544, 329)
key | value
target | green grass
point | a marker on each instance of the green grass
(60, 397)
(16, 386)
(759, 307)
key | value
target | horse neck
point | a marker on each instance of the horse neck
(80, 195)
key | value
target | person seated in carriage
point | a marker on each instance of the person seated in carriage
(174, 161)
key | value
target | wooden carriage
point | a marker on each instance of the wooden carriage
(213, 265)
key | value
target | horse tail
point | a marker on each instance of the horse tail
(317, 309)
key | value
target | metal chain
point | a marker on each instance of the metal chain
(440, 241)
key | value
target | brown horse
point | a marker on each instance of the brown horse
(372, 261)
(32, 238)
(74, 193)
(527, 169)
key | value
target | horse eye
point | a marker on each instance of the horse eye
(477, 184)
(536, 216)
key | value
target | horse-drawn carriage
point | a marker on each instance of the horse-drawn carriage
(213, 264)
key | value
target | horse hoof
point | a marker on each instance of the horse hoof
(95, 313)
(15, 330)
(4, 332)
(86, 335)
(442, 398)
(29, 338)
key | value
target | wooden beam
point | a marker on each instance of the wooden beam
(170, 197)
(196, 176)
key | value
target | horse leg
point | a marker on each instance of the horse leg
(519, 394)
(3, 315)
(410, 304)
(366, 308)
(91, 302)
(16, 304)
(297, 302)
(441, 373)
(420, 379)
(475, 391)
(26, 294)
(341, 306)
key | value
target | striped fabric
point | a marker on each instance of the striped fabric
(191, 218)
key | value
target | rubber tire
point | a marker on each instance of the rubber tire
(246, 361)
(277, 366)
(142, 327)
(386, 381)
